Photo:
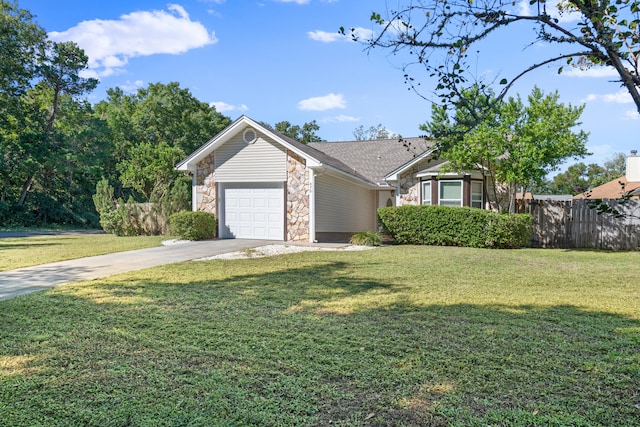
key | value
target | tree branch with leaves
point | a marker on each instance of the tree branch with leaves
(439, 35)
(515, 146)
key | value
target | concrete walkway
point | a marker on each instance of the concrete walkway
(40, 277)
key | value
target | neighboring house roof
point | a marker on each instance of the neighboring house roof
(614, 189)
(374, 159)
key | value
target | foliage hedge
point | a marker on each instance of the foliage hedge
(452, 226)
(366, 238)
(190, 225)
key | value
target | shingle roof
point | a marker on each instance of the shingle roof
(375, 158)
(614, 189)
(323, 157)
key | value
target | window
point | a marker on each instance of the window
(476, 194)
(451, 193)
(426, 192)
(249, 136)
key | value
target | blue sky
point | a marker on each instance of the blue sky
(277, 60)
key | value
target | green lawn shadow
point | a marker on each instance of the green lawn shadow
(289, 347)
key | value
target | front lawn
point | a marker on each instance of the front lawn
(35, 250)
(394, 336)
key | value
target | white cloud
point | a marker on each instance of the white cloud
(620, 97)
(330, 37)
(293, 1)
(557, 9)
(222, 107)
(631, 115)
(340, 119)
(326, 37)
(593, 72)
(131, 86)
(323, 103)
(110, 44)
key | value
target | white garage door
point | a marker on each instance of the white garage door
(253, 211)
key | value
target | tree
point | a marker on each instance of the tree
(152, 130)
(304, 134)
(607, 33)
(60, 69)
(516, 145)
(615, 167)
(149, 168)
(21, 42)
(373, 132)
(577, 179)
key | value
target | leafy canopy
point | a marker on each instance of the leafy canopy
(153, 129)
(305, 133)
(515, 144)
(580, 177)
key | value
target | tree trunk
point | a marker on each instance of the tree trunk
(25, 189)
(626, 77)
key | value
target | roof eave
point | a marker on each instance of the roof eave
(394, 175)
(191, 162)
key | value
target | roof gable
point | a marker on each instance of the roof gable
(235, 128)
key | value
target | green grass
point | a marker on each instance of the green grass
(36, 250)
(396, 336)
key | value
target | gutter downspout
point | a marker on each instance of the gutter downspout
(194, 192)
(312, 206)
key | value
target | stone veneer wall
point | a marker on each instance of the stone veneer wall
(410, 188)
(206, 185)
(297, 198)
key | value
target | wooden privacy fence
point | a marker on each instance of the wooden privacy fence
(574, 224)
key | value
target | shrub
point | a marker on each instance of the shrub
(190, 225)
(132, 218)
(123, 219)
(366, 238)
(452, 226)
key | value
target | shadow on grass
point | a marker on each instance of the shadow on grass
(31, 245)
(290, 347)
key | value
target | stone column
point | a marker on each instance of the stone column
(297, 198)
(206, 185)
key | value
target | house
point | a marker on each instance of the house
(629, 184)
(262, 184)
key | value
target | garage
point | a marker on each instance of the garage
(252, 211)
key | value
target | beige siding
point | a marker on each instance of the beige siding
(261, 161)
(343, 207)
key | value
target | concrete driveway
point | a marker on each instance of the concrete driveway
(37, 278)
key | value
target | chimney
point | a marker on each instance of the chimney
(633, 167)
